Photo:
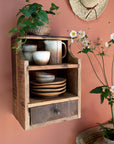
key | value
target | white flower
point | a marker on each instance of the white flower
(112, 36)
(81, 34)
(106, 44)
(85, 42)
(112, 89)
(73, 34)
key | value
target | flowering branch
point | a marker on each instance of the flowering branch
(86, 47)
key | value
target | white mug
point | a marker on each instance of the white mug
(55, 48)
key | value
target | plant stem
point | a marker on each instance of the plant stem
(104, 74)
(94, 70)
(112, 110)
(112, 69)
(102, 68)
(98, 61)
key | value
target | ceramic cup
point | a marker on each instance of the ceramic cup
(55, 48)
(41, 57)
(29, 48)
(28, 51)
(28, 56)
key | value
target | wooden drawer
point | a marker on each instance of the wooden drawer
(51, 112)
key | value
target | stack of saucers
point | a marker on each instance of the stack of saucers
(46, 85)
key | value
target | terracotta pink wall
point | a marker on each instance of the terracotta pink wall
(92, 112)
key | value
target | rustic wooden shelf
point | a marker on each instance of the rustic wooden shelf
(49, 67)
(32, 112)
(40, 102)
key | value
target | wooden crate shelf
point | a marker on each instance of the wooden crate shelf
(33, 112)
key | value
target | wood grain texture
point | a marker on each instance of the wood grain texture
(52, 112)
(54, 121)
(34, 102)
(49, 67)
(20, 87)
(45, 37)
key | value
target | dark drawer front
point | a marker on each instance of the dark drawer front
(51, 112)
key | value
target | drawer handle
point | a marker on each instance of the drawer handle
(56, 111)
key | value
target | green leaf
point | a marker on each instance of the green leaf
(86, 36)
(102, 127)
(86, 50)
(111, 41)
(53, 7)
(97, 90)
(39, 23)
(107, 92)
(22, 25)
(18, 13)
(34, 15)
(22, 32)
(50, 12)
(17, 39)
(13, 30)
(35, 27)
(28, 23)
(102, 54)
(27, 1)
(20, 19)
(102, 98)
(110, 121)
(79, 52)
(43, 16)
(14, 47)
(26, 12)
(34, 7)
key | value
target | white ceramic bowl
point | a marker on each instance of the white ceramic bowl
(45, 79)
(29, 48)
(41, 57)
(44, 74)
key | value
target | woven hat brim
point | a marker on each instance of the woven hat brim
(82, 12)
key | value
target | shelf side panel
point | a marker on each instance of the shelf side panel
(20, 88)
(74, 77)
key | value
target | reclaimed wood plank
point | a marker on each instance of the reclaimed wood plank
(52, 112)
(34, 102)
(49, 67)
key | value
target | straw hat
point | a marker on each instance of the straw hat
(88, 9)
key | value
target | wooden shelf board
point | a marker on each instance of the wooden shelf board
(48, 67)
(33, 37)
(34, 102)
(45, 37)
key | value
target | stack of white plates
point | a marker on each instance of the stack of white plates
(49, 89)
(43, 77)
